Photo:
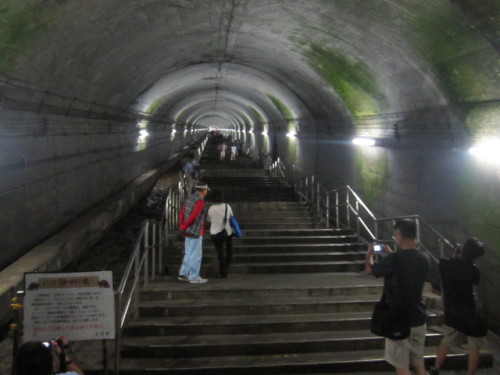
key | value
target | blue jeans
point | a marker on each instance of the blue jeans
(191, 263)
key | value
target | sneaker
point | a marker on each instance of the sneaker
(432, 371)
(198, 280)
(182, 278)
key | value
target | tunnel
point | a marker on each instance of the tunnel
(99, 97)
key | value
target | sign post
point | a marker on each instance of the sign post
(79, 306)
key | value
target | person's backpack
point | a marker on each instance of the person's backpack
(195, 174)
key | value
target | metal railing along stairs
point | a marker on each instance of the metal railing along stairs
(146, 261)
(343, 207)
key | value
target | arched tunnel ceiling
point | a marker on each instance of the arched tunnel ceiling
(256, 60)
(241, 90)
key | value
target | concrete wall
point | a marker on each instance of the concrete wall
(50, 179)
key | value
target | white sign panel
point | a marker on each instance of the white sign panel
(79, 306)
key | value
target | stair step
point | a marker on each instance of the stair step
(283, 267)
(245, 258)
(255, 324)
(253, 344)
(296, 232)
(294, 247)
(240, 286)
(247, 240)
(304, 363)
(297, 225)
(257, 306)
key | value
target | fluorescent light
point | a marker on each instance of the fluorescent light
(291, 134)
(264, 132)
(143, 133)
(364, 141)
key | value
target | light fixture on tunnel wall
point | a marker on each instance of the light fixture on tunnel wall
(142, 140)
(291, 134)
(362, 141)
(265, 132)
(487, 150)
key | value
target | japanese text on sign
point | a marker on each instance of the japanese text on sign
(79, 306)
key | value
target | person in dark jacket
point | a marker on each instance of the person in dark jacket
(459, 275)
(191, 221)
(404, 277)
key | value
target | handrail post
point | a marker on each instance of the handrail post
(348, 213)
(153, 251)
(161, 242)
(317, 200)
(311, 188)
(417, 222)
(146, 254)
(135, 298)
(306, 188)
(327, 217)
(118, 333)
(337, 208)
(358, 218)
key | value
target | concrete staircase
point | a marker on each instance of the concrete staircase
(295, 302)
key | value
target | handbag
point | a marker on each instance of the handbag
(474, 326)
(235, 226)
(387, 321)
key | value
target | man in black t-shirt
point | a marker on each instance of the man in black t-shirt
(404, 277)
(459, 274)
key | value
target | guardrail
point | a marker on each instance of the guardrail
(343, 207)
(146, 262)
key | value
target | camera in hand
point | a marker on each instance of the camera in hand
(53, 345)
(377, 247)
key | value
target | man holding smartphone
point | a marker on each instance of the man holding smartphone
(404, 276)
(47, 358)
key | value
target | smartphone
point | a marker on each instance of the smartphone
(377, 247)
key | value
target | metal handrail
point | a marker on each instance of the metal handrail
(349, 210)
(147, 251)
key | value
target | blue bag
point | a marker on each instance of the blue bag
(235, 226)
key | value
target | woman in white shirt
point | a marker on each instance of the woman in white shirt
(234, 152)
(221, 232)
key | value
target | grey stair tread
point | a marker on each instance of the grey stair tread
(295, 244)
(256, 361)
(322, 263)
(319, 280)
(298, 238)
(251, 319)
(284, 254)
(240, 256)
(261, 301)
(303, 231)
(221, 320)
(261, 338)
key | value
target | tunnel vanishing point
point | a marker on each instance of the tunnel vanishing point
(98, 97)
